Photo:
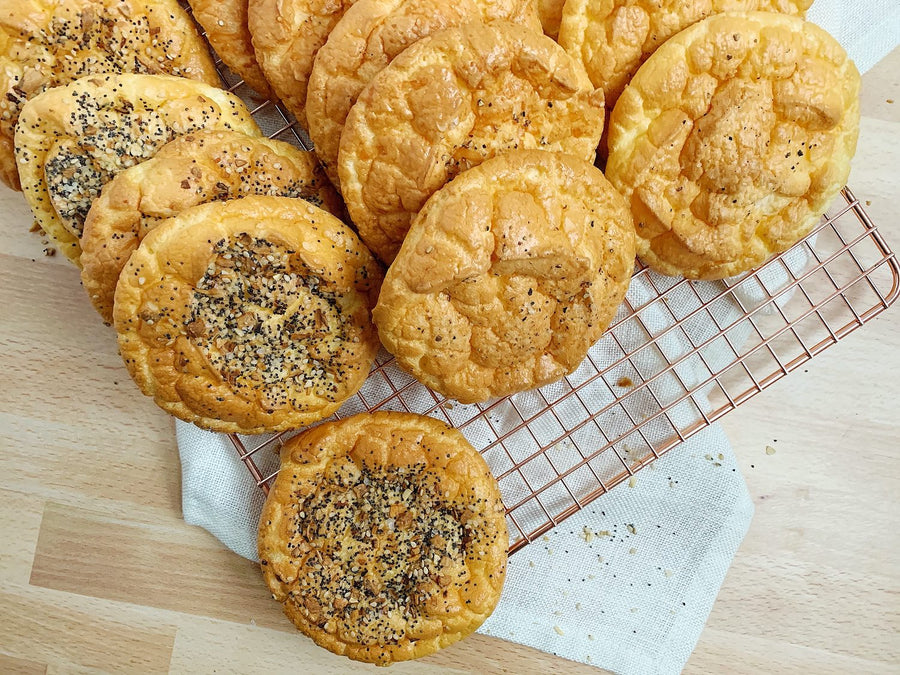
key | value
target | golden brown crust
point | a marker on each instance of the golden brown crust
(225, 23)
(446, 104)
(508, 275)
(732, 140)
(72, 140)
(286, 36)
(39, 38)
(366, 40)
(384, 536)
(249, 315)
(194, 169)
(614, 38)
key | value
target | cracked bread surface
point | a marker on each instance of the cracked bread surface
(732, 140)
(49, 43)
(72, 140)
(286, 35)
(550, 13)
(228, 32)
(508, 275)
(384, 536)
(201, 167)
(614, 37)
(446, 104)
(366, 40)
(250, 315)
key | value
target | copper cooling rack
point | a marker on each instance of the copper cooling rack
(678, 356)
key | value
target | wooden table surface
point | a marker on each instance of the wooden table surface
(98, 572)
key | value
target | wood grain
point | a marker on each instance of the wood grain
(13, 666)
(98, 573)
(20, 521)
(161, 565)
(54, 629)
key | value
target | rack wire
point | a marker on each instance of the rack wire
(678, 356)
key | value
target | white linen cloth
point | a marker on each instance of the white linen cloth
(627, 583)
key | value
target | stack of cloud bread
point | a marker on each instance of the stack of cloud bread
(265, 326)
(49, 43)
(462, 137)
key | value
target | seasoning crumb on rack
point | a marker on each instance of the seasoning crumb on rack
(668, 573)
(559, 631)
(632, 481)
(631, 528)
(632, 551)
(770, 450)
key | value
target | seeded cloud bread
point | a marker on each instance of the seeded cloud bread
(508, 275)
(286, 35)
(446, 104)
(367, 38)
(384, 536)
(250, 315)
(72, 140)
(613, 38)
(48, 43)
(194, 169)
(225, 23)
(732, 140)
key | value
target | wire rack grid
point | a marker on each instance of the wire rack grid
(678, 356)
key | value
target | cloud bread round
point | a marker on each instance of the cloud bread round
(225, 23)
(48, 43)
(249, 315)
(194, 169)
(732, 140)
(384, 536)
(367, 39)
(508, 275)
(449, 102)
(286, 36)
(613, 37)
(72, 140)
